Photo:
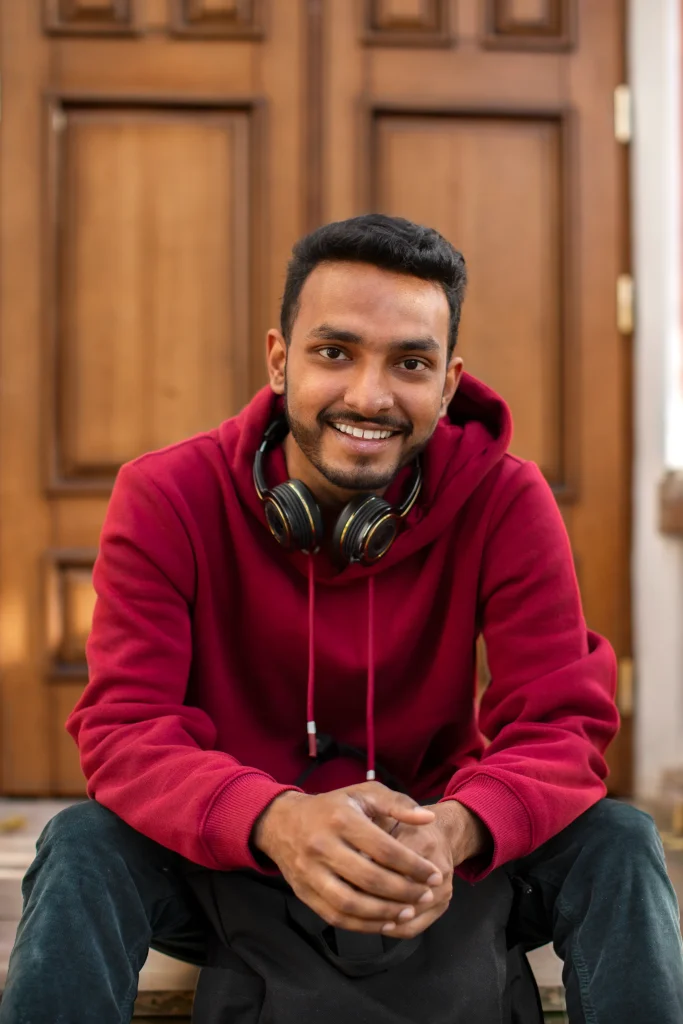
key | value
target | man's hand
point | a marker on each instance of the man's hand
(454, 836)
(338, 857)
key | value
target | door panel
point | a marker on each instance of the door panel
(153, 183)
(446, 170)
(152, 305)
(503, 140)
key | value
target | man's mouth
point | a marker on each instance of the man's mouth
(364, 433)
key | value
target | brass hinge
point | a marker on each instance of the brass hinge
(625, 686)
(623, 114)
(625, 304)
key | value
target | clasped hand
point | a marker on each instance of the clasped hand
(368, 859)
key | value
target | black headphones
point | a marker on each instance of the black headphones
(366, 526)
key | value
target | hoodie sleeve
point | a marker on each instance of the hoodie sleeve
(549, 710)
(147, 755)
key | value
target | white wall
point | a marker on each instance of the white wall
(657, 179)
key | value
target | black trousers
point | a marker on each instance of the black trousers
(99, 894)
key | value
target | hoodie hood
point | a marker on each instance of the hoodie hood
(467, 443)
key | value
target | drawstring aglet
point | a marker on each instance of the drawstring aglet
(312, 739)
(370, 775)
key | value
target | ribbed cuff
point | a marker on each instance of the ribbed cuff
(504, 815)
(231, 819)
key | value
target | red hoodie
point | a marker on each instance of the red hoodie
(194, 718)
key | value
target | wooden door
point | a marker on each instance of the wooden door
(153, 181)
(492, 120)
(157, 160)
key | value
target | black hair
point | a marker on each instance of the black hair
(391, 243)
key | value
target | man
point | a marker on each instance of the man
(219, 658)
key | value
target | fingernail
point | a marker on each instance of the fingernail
(435, 879)
(390, 927)
(426, 897)
(407, 915)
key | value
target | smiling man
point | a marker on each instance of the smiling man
(282, 671)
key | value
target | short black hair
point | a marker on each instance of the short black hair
(391, 243)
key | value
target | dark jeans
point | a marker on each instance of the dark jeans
(99, 894)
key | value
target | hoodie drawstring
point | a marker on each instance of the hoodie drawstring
(310, 695)
(370, 688)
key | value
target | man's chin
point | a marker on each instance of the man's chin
(360, 479)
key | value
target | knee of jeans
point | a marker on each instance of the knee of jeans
(81, 828)
(625, 830)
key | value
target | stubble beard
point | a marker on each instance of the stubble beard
(364, 477)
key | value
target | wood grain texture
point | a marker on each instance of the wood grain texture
(511, 153)
(530, 24)
(92, 17)
(115, 336)
(407, 23)
(69, 604)
(151, 192)
(151, 300)
(217, 19)
(444, 170)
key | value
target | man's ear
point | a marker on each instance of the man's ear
(276, 359)
(453, 377)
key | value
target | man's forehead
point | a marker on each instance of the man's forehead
(360, 290)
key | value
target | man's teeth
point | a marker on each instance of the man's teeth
(366, 435)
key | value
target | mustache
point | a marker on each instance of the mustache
(381, 422)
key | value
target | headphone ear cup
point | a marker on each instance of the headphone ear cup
(294, 517)
(365, 530)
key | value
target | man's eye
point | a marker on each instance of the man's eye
(333, 354)
(413, 364)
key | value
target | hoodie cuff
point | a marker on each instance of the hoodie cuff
(504, 815)
(231, 819)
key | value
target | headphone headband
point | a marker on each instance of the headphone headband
(275, 434)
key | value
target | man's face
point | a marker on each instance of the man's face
(365, 377)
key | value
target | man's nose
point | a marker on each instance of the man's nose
(369, 393)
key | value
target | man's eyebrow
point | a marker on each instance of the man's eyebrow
(327, 332)
(427, 344)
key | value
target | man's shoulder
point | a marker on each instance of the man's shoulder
(510, 475)
(190, 468)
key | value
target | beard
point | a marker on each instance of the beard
(365, 476)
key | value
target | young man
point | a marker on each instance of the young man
(219, 657)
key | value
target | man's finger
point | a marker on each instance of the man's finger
(340, 903)
(377, 800)
(375, 880)
(415, 926)
(388, 852)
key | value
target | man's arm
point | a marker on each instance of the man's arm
(549, 710)
(147, 756)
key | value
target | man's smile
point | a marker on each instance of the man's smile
(366, 433)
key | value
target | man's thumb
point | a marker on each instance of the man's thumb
(381, 802)
(403, 808)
